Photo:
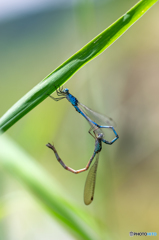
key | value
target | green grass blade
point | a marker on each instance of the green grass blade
(23, 167)
(73, 64)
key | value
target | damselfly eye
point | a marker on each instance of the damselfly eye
(100, 135)
(66, 90)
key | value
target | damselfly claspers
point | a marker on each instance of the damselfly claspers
(88, 114)
(91, 177)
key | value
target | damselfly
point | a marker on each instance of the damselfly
(88, 114)
(91, 177)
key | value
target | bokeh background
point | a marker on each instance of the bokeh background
(35, 38)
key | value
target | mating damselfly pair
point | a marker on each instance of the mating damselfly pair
(92, 118)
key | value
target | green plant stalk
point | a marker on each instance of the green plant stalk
(60, 75)
(23, 167)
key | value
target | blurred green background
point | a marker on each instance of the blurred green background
(121, 83)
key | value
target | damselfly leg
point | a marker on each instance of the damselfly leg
(59, 93)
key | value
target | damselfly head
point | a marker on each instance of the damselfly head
(66, 90)
(100, 135)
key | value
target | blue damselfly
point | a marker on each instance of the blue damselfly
(91, 116)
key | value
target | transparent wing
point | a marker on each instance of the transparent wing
(97, 117)
(90, 182)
